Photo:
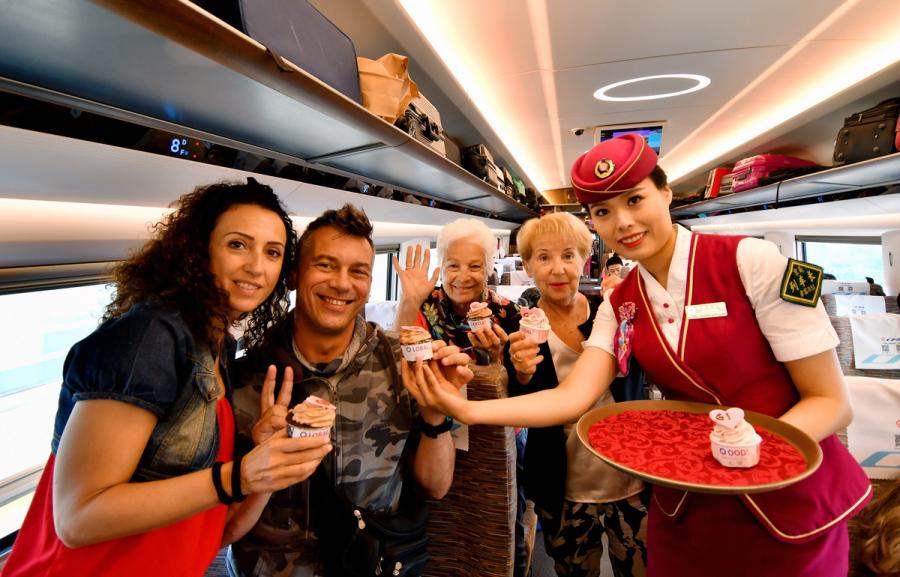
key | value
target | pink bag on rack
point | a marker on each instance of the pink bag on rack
(749, 172)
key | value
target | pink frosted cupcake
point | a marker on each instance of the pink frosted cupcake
(734, 441)
(479, 316)
(534, 324)
(415, 342)
(313, 417)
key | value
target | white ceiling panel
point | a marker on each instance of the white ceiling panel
(728, 71)
(610, 30)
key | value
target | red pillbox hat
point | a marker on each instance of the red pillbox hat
(612, 167)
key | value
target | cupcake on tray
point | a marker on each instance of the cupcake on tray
(415, 342)
(314, 417)
(534, 324)
(733, 440)
(479, 316)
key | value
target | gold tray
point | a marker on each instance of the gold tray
(804, 444)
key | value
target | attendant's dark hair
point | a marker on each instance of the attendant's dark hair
(348, 219)
(173, 269)
(659, 177)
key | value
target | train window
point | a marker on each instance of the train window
(41, 326)
(848, 259)
(384, 284)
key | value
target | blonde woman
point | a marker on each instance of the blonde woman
(577, 496)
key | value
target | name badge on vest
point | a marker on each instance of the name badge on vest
(706, 311)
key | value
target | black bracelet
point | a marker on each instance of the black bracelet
(236, 493)
(432, 431)
(217, 483)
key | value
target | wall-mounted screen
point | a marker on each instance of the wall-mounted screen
(653, 134)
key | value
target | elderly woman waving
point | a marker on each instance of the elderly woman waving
(466, 247)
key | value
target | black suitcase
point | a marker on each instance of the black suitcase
(868, 134)
(422, 121)
(478, 160)
(298, 32)
(531, 200)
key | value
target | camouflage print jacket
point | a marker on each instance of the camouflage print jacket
(375, 415)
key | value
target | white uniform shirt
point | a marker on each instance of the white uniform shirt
(588, 479)
(793, 331)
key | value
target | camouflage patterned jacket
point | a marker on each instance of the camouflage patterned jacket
(374, 420)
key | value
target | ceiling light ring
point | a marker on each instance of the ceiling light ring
(702, 82)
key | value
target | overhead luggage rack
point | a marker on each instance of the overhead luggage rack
(168, 64)
(877, 172)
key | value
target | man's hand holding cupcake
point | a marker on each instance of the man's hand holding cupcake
(447, 369)
(277, 461)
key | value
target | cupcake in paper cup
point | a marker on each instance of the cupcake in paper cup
(734, 441)
(479, 316)
(415, 342)
(314, 417)
(534, 324)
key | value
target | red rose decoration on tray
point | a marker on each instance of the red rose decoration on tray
(675, 446)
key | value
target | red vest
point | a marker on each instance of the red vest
(728, 361)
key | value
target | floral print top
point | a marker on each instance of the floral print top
(437, 316)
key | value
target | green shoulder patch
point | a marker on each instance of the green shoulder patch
(802, 283)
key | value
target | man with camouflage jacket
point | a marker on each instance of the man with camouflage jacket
(336, 355)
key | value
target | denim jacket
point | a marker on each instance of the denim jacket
(148, 358)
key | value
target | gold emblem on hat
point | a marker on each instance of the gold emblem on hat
(604, 168)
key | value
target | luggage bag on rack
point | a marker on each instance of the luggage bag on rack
(714, 182)
(478, 160)
(452, 149)
(748, 173)
(296, 31)
(509, 188)
(869, 134)
(422, 121)
(501, 179)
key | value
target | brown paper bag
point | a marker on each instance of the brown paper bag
(386, 86)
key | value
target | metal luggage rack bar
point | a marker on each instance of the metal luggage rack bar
(869, 174)
(172, 62)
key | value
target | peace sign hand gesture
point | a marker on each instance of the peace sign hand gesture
(273, 412)
(415, 283)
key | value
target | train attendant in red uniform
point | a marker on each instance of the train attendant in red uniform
(762, 342)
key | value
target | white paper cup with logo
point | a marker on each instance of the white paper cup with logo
(480, 323)
(736, 456)
(301, 432)
(415, 351)
(537, 335)
(415, 343)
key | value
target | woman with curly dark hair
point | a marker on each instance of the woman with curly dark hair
(143, 467)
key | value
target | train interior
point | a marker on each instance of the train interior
(110, 110)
